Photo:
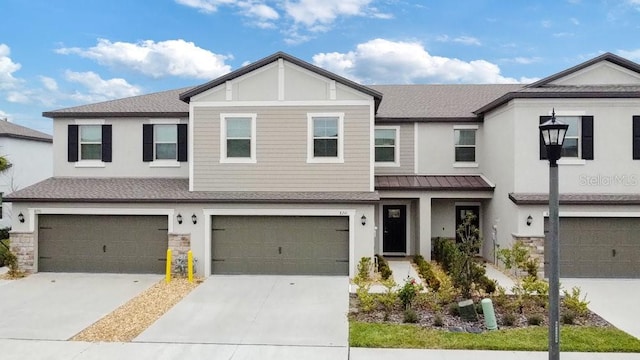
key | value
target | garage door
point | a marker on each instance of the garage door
(599, 247)
(309, 245)
(97, 243)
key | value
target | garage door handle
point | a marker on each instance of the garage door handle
(279, 249)
(613, 252)
(104, 248)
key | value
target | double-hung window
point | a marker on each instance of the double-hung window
(164, 143)
(386, 146)
(465, 145)
(238, 138)
(89, 143)
(578, 141)
(325, 138)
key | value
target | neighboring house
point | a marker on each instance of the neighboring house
(30, 154)
(281, 167)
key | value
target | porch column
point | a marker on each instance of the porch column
(424, 234)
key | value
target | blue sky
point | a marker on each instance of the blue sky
(56, 54)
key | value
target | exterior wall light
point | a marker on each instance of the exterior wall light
(529, 220)
(21, 218)
(363, 220)
(179, 218)
(194, 218)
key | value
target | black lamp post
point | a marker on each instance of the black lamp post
(553, 133)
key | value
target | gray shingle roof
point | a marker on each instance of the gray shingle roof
(437, 102)
(576, 199)
(165, 103)
(8, 129)
(433, 182)
(162, 190)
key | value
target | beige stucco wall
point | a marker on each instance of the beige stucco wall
(436, 149)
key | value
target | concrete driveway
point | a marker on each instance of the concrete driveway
(615, 300)
(306, 311)
(56, 306)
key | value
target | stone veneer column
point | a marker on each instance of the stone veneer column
(23, 246)
(536, 250)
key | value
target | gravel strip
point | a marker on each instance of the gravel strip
(132, 318)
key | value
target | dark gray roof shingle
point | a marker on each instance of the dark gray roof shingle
(8, 129)
(162, 190)
(576, 199)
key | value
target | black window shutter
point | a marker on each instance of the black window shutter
(147, 142)
(72, 143)
(543, 148)
(587, 137)
(636, 138)
(106, 143)
(182, 142)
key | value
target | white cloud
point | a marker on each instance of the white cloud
(574, 21)
(156, 59)
(563, 34)
(465, 40)
(524, 60)
(633, 55)
(99, 89)
(7, 68)
(316, 14)
(49, 83)
(384, 61)
(546, 23)
(18, 97)
(205, 6)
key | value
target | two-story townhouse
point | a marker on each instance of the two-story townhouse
(31, 157)
(283, 167)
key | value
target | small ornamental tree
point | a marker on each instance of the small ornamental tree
(469, 245)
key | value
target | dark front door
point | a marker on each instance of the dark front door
(461, 214)
(394, 238)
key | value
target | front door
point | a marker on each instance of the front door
(394, 238)
(461, 214)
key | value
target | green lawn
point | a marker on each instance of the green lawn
(572, 338)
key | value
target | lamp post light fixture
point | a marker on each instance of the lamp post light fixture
(194, 219)
(552, 133)
(179, 218)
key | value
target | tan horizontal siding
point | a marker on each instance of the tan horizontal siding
(281, 152)
(407, 153)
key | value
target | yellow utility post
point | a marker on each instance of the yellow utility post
(190, 265)
(167, 278)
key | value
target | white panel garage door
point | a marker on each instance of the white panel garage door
(599, 247)
(304, 245)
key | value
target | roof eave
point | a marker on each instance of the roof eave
(58, 115)
(456, 119)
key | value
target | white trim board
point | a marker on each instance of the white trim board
(99, 211)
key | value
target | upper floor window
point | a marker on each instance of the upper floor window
(465, 145)
(386, 145)
(578, 141)
(325, 139)
(238, 138)
(164, 142)
(89, 143)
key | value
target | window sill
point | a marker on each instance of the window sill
(572, 162)
(387, 164)
(237, 161)
(327, 160)
(164, 164)
(465, 165)
(90, 164)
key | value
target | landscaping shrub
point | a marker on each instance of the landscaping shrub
(11, 261)
(367, 300)
(438, 321)
(568, 318)
(488, 285)
(408, 292)
(364, 268)
(383, 267)
(454, 310)
(446, 291)
(508, 319)
(4, 249)
(573, 302)
(410, 316)
(534, 319)
(4, 233)
(425, 270)
(389, 298)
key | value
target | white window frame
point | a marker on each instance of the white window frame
(396, 147)
(465, 164)
(156, 163)
(87, 163)
(310, 143)
(562, 118)
(223, 139)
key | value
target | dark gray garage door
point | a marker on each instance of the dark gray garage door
(99, 243)
(599, 247)
(309, 245)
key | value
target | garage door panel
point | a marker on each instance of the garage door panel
(102, 243)
(599, 247)
(280, 245)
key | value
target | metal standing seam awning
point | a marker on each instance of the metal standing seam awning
(433, 182)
